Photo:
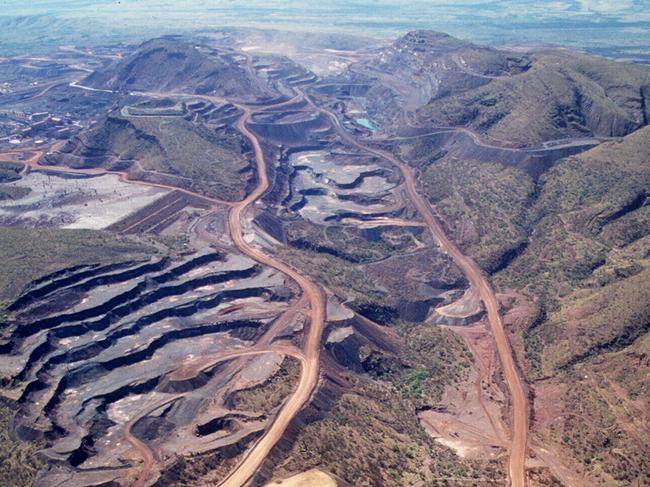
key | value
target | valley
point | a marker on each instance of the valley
(231, 266)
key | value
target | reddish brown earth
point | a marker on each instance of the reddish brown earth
(479, 281)
(315, 296)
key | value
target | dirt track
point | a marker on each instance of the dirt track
(147, 454)
(309, 377)
(142, 448)
(550, 145)
(479, 281)
(33, 163)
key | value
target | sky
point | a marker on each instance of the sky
(587, 24)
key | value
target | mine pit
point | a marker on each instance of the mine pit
(119, 369)
(329, 185)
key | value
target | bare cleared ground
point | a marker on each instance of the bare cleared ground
(469, 418)
(310, 478)
(92, 202)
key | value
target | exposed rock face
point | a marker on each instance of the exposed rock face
(126, 328)
(289, 131)
(344, 346)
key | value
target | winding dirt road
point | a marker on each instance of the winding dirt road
(256, 455)
(317, 302)
(547, 146)
(478, 280)
(309, 377)
(147, 454)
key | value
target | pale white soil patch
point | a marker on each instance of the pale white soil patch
(93, 202)
(310, 478)
(467, 306)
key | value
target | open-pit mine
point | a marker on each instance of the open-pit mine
(246, 258)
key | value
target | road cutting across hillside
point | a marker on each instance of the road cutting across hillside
(477, 280)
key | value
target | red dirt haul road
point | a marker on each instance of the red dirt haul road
(309, 377)
(478, 280)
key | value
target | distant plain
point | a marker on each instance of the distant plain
(618, 29)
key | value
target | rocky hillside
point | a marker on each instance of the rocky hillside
(172, 65)
(587, 263)
(424, 64)
(590, 238)
(563, 94)
(511, 97)
(442, 59)
(168, 149)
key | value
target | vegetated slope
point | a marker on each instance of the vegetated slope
(520, 98)
(482, 196)
(166, 149)
(28, 254)
(584, 223)
(172, 65)
(563, 94)
(587, 267)
(18, 460)
(575, 244)
(485, 203)
(591, 230)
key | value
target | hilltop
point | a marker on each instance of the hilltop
(168, 147)
(563, 94)
(173, 65)
(511, 97)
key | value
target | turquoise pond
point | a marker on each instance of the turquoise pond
(364, 122)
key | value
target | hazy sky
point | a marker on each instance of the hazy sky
(580, 23)
(623, 10)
